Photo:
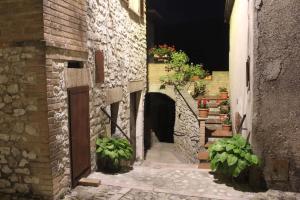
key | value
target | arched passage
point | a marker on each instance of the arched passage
(159, 118)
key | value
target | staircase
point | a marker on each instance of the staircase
(213, 130)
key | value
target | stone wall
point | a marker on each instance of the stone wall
(112, 29)
(24, 152)
(121, 35)
(21, 20)
(276, 88)
(34, 134)
(219, 79)
(187, 130)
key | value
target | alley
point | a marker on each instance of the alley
(161, 179)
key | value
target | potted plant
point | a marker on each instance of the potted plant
(161, 53)
(196, 72)
(232, 157)
(199, 88)
(223, 92)
(226, 126)
(224, 105)
(223, 114)
(112, 152)
(203, 108)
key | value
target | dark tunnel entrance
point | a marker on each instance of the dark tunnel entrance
(159, 118)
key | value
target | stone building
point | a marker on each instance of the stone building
(61, 62)
(265, 84)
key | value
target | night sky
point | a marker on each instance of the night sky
(194, 26)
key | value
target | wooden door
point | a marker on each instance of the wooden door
(79, 133)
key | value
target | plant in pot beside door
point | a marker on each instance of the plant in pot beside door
(223, 92)
(203, 108)
(226, 126)
(113, 154)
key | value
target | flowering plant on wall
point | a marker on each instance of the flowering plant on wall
(203, 104)
(162, 53)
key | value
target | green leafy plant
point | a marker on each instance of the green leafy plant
(199, 88)
(227, 121)
(114, 150)
(223, 89)
(182, 70)
(224, 111)
(232, 156)
(225, 103)
(197, 70)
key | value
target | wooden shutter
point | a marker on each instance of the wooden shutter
(99, 62)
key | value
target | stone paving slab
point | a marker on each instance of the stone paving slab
(186, 182)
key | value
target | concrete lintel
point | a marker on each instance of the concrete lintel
(114, 95)
(136, 85)
(76, 77)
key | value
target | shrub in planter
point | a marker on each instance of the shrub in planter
(203, 108)
(232, 156)
(226, 126)
(112, 152)
(223, 92)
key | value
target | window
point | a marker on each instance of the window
(137, 6)
(75, 64)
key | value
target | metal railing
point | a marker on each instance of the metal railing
(186, 102)
(115, 123)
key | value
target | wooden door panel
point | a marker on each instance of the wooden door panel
(79, 132)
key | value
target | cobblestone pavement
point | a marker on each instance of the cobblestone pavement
(168, 179)
(160, 182)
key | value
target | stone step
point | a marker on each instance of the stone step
(213, 121)
(214, 113)
(221, 133)
(92, 182)
(213, 139)
(213, 127)
(203, 156)
(209, 143)
(205, 165)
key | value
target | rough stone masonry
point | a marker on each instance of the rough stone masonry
(37, 39)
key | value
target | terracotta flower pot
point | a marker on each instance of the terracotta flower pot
(195, 78)
(203, 112)
(223, 117)
(223, 95)
(226, 127)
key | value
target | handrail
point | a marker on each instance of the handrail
(115, 123)
(186, 102)
(241, 124)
